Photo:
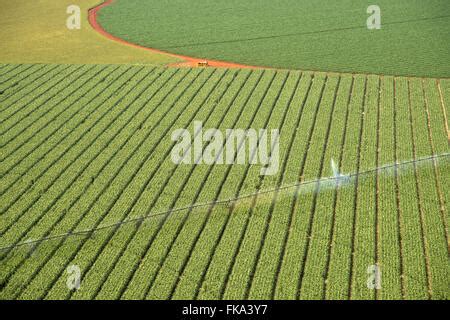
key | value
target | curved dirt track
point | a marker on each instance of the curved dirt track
(186, 61)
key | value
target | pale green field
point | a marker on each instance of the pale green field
(35, 32)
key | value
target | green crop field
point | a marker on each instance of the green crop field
(293, 34)
(122, 175)
(87, 180)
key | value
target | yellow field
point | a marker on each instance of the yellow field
(35, 32)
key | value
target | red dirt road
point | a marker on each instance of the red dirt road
(187, 61)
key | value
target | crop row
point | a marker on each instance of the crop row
(88, 147)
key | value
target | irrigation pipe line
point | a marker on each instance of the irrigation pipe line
(200, 44)
(225, 201)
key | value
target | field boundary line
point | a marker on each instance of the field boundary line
(92, 17)
(188, 61)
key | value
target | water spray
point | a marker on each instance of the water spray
(337, 180)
